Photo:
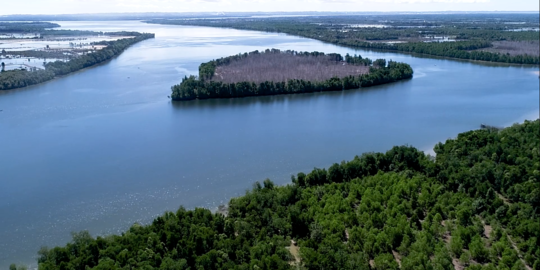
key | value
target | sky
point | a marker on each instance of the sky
(122, 6)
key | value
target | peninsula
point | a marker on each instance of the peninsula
(30, 55)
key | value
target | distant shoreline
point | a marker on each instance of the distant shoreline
(16, 79)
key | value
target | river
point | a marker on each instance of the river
(104, 148)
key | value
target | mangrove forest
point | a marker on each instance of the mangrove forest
(475, 205)
(462, 36)
(275, 72)
(12, 79)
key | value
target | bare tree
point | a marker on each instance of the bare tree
(280, 67)
(515, 47)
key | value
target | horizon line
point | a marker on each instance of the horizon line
(247, 12)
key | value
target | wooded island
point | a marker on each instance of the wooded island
(275, 72)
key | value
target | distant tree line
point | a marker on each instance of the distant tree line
(12, 79)
(46, 29)
(44, 54)
(61, 34)
(473, 206)
(88, 33)
(21, 78)
(461, 50)
(470, 36)
(203, 87)
(25, 27)
(113, 48)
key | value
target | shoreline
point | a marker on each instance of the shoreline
(422, 55)
(223, 208)
(532, 116)
(364, 73)
(58, 77)
(138, 48)
(76, 71)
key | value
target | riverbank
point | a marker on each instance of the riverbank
(204, 152)
(403, 36)
(339, 207)
(15, 79)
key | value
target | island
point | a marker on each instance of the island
(31, 54)
(275, 72)
(474, 205)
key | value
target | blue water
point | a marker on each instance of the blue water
(105, 148)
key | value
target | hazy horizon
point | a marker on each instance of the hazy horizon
(97, 7)
(272, 12)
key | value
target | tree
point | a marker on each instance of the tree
(365, 215)
(385, 261)
(478, 249)
(17, 79)
(379, 63)
(456, 245)
(275, 72)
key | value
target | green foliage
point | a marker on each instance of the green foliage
(207, 70)
(204, 88)
(12, 79)
(21, 78)
(113, 49)
(478, 249)
(375, 209)
(471, 32)
(25, 27)
(385, 261)
(19, 267)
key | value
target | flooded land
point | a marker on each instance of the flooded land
(34, 52)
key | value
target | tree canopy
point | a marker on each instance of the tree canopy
(205, 86)
(468, 36)
(474, 205)
(13, 79)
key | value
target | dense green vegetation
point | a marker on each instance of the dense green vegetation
(21, 78)
(56, 33)
(12, 79)
(113, 48)
(474, 205)
(25, 27)
(204, 87)
(414, 32)
(45, 29)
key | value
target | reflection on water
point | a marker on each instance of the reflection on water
(271, 100)
(104, 148)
